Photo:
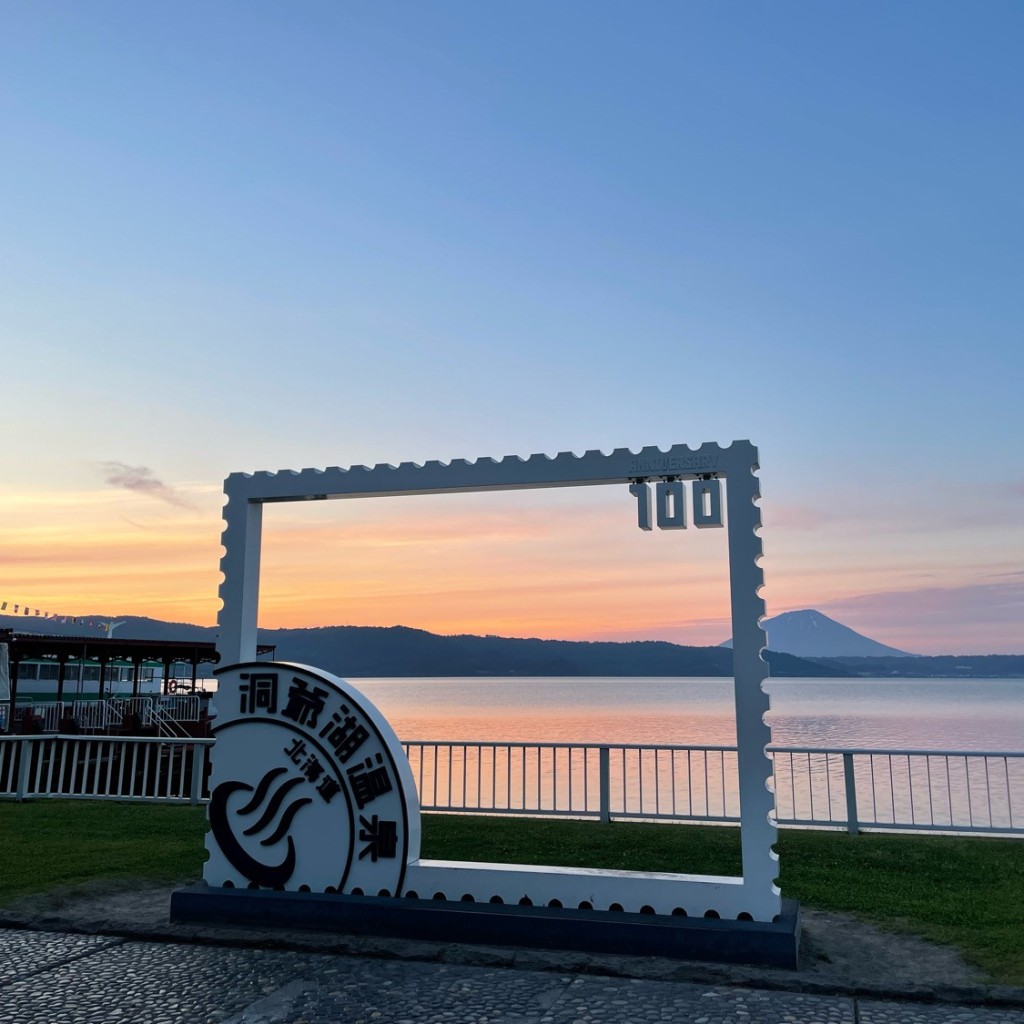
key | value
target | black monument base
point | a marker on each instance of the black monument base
(764, 944)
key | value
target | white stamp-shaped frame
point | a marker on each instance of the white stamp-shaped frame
(754, 895)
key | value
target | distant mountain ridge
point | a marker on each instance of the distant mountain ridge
(361, 651)
(402, 651)
(935, 666)
(810, 634)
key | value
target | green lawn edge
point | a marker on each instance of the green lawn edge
(967, 892)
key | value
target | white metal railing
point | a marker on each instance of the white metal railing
(918, 790)
(578, 780)
(179, 707)
(164, 723)
(47, 713)
(163, 713)
(91, 714)
(942, 790)
(124, 706)
(103, 767)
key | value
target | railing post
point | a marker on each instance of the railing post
(198, 772)
(24, 765)
(604, 782)
(851, 795)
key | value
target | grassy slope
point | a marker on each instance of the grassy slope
(968, 892)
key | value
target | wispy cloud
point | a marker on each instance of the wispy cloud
(909, 508)
(141, 480)
(978, 618)
(800, 517)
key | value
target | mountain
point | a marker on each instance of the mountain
(132, 627)
(936, 666)
(401, 651)
(809, 634)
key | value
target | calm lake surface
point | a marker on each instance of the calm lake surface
(954, 714)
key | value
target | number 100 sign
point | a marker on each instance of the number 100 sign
(669, 502)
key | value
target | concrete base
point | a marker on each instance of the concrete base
(773, 944)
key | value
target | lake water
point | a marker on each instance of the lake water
(957, 714)
(874, 714)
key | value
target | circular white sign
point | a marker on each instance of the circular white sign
(310, 788)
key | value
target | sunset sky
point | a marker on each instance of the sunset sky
(251, 236)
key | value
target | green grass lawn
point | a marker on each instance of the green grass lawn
(968, 892)
(49, 843)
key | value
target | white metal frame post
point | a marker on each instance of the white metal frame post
(240, 589)
(755, 894)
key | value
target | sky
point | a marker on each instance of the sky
(260, 236)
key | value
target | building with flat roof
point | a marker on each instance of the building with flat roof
(42, 666)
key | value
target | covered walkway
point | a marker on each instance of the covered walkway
(18, 648)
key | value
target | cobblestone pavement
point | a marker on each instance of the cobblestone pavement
(62, 978)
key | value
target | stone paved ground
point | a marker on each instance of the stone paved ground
(108, 954)
(60, 978)
(839, 953)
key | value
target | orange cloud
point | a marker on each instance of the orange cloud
(566, 564)
(511, 565)
(93, 552)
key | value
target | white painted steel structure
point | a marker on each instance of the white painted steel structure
(754, 894)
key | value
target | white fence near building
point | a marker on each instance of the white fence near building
(92, 714)
(48, 713)
(916, 790)
(96, 716)
(104, 767)
(178, 707)
(121, 707)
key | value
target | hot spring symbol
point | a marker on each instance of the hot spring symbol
(310, 788)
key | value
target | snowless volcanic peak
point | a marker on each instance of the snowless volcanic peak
(810, 634)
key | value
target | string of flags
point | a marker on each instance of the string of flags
(11, 608)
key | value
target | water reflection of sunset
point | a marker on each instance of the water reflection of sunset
(880, 713)
(583, 725)
(558, 710)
